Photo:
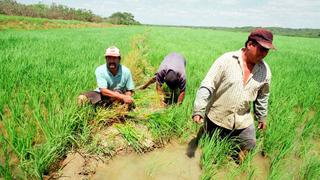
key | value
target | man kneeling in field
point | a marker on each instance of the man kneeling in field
(234, 80)
(114, 81)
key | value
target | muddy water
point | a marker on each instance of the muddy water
(231, 170)
(170, 162)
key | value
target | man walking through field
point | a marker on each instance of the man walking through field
(114, 81)
(234, 80)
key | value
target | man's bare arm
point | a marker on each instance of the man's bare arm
(116, 95)
(151, 81)
(181, 97)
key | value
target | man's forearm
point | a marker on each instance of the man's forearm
(201, 101)
(159, 89)
(151, 81)
(111, 94)
(261, 106)
(181, 97)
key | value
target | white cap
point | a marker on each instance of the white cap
(112, 51)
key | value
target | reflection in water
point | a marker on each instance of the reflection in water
(170, 162)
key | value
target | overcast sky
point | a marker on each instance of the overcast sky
(230, 13)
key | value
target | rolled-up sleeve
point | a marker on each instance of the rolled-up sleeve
(207, 88)
(261, 103)
(160, 76)
(183, 83)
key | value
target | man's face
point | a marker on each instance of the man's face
(113, 62)
(257, 52)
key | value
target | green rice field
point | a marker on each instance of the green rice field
(43, 71)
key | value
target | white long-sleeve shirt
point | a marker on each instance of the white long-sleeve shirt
(225, 99)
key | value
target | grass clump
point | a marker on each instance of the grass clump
(214, 153)
(133, 137)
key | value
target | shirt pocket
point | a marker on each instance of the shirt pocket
(121, 86)
(244, 108)
(253, 90)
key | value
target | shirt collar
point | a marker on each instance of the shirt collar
(238, 56)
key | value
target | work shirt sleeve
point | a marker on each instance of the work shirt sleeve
(207, 87)
(261, 102)
(200, 104)
(101, 80)
(183, 83)
(160, 76)
(130, 83)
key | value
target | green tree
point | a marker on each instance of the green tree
(122, 18)
(54, 11)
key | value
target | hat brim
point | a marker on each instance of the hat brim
(112, 55)
(267, 45)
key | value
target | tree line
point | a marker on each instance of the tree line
(122, 18)
(56, 11)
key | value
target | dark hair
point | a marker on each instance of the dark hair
(171, 79)
(252, 40)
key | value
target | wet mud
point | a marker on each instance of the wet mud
(170, 162)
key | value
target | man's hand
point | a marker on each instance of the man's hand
(127, 99)
(262, 125)
(198, 119)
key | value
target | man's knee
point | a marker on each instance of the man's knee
(82, 100)
(248, 137)
(249, 144)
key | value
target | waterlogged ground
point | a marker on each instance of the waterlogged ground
(260, 170)
(170, 162)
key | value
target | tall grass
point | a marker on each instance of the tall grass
(42, 74)
(214, 153)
